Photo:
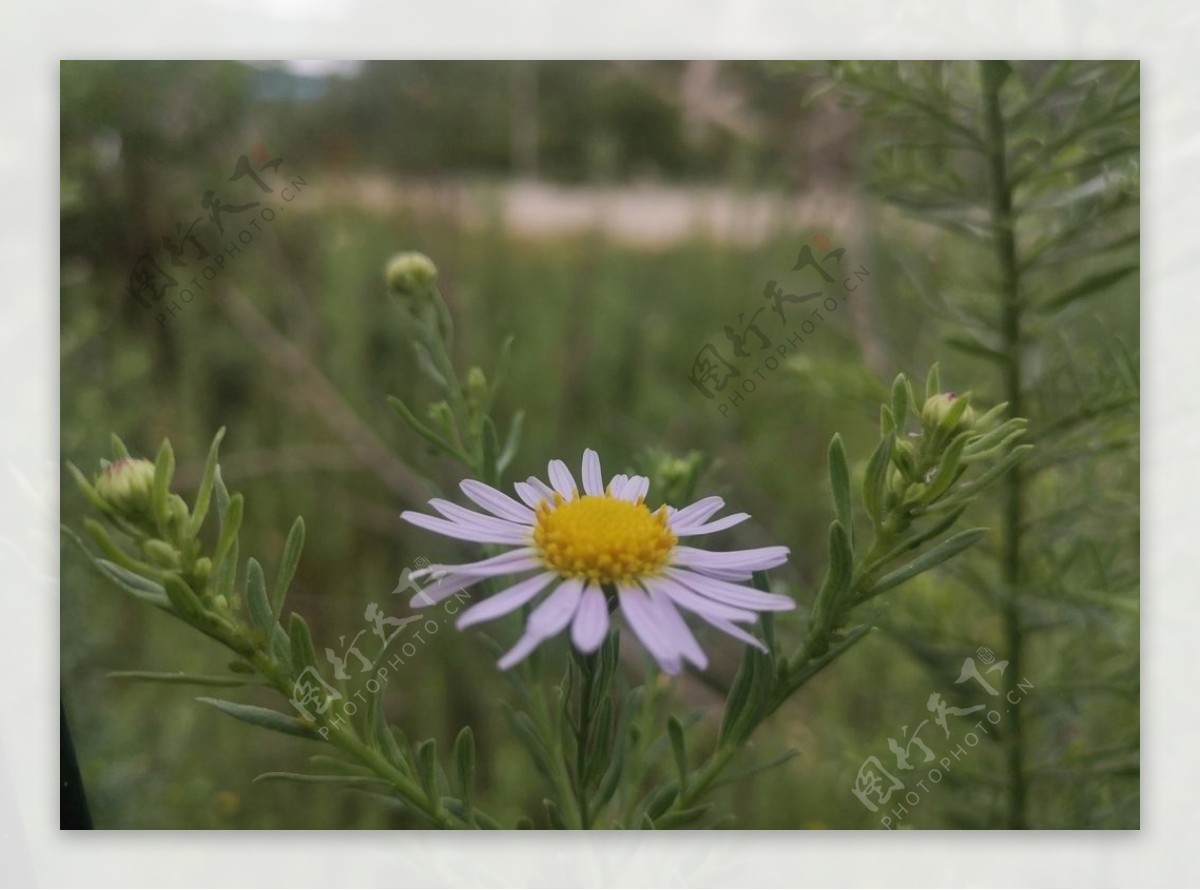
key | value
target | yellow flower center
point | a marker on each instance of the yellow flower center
(602, 538)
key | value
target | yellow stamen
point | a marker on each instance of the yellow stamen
(602, 538)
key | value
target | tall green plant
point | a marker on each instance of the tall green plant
(1033, 169)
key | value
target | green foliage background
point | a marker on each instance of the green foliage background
(606, 331)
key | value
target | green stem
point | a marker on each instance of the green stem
(1004, 241)
(587, 665)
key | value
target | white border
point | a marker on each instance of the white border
(1164, 35)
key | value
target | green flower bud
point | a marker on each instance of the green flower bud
(477, 387)
(410, 273)
(442, 418)
(937, 411)
(904, 456)
(127, 486)
(674, 478)
(161, 553)
(203, 567)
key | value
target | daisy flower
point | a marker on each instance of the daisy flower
(599, 550)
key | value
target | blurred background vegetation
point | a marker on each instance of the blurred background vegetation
(615, 217)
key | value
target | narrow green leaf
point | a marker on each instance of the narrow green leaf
(949, 469)
(256, 599)
(512, 443)
(679, 750)
(554, 815)
(231, 523)
(118, 447)
(1089, 287)
(949, 548)
(184, 679)
(933, 382)
(661, 801)
(979, 350)
(302, 651)
(182, 597)
(875, 481)
(839, 482)
(309, 778)
(887, 422)
(87, 488)
(204, 494)
(464, 768)
(838, 576)
(900, 404)
(427, 767)
(418, 427)
(292, 549)
(682, 818)
(164, 471)
(428, 367)
(264, 718)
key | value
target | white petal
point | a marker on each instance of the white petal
(591, 620)
(708, 528)
(562, 480)
(695, 603)
(524, 646)
(676, 629)
(757, 560)
(698, 512)
(451, 579)
(557, 610)
(467, 531)
(506, 601)
(636, 489)
(732, 594)
(593, 480)
(496, 501)
(736, 632)
(530, 495)
(643, 619)
(617, 484)
(456, 513)
(554, 613)
(544, 490)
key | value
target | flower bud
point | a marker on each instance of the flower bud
(442, 418)
(674, 478)
(477, 387)
(127, 486)
(160, 553)
(938, 410)
(410, 273)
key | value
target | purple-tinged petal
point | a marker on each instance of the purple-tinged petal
(757, 560)
(643, 619)
(499, 604)
(708, 528)
(496, 501)
(695, 603)
(467, 532)
(455, 513)
(593, 480)
(676, 629)
(591, 621)
(732, 594)
(698, 512)
(562, 480)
